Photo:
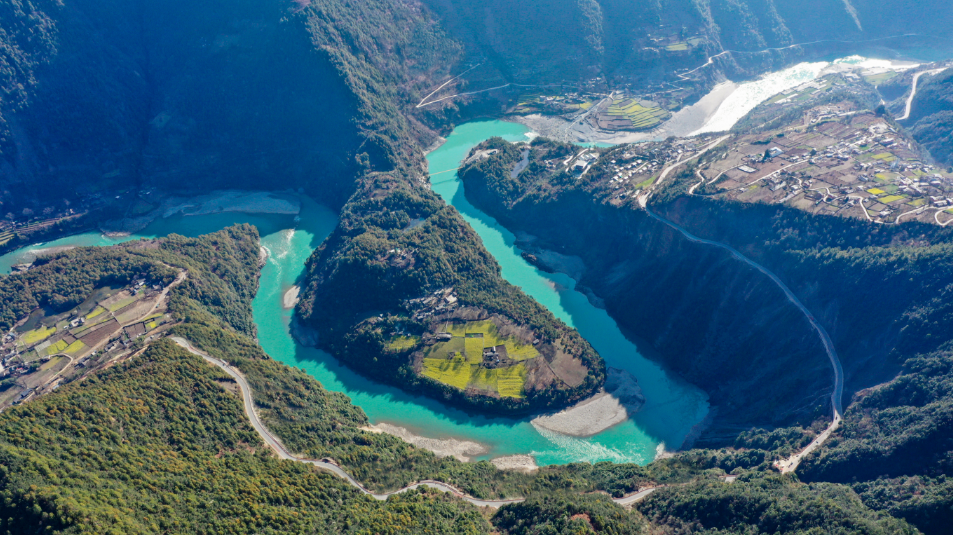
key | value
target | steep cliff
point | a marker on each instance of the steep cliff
(718, 322)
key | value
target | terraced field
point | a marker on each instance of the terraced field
(458, 361)
(642, 114)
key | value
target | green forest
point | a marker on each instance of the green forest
(156, 444)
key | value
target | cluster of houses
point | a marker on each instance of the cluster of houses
(439, 302)
(496, 357)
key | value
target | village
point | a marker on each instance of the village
(834, 160)
(628, 170)
(810, 151)
(30, 223)
(42, 351)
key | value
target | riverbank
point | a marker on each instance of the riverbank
(616, 402)
(681, 124)
(462, 450)
(216, 202)
(717, 111)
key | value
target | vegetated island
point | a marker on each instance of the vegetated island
(404, 292)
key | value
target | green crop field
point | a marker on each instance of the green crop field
(455, 372)
(75, 348)
(891, 198)
(677, 47)
(640, 116)
(456, 329)
(37, 336)
(457, 362)
(917, 202)
(885, 156)
(507, 381)
(491, 338)
(876, 191)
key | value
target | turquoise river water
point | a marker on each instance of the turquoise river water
(672, 408)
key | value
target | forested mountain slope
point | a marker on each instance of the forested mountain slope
(106, 96)
(158, 444)
(562, 40)
(896, 446)
(703, 310)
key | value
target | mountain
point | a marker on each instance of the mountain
(105, 103)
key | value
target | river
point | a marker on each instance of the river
(671, 410)
(672, 407)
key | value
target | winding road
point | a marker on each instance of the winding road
(913, 92)
(791, 463)
(679, 163)
(284, 454)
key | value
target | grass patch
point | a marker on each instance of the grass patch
(878, 79)
(151, 325)
(399, 343)
(917, 202)
(440, 350)
(473, 347)
(645, 183)
(122, 302)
